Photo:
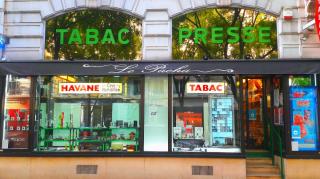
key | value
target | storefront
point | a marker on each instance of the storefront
(211, 108)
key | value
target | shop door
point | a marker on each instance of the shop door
(253, 89)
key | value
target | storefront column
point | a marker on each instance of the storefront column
(157, 45)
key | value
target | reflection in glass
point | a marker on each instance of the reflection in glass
(16, 113)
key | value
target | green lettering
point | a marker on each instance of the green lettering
(62, 32)
(217, 34)
(248, 36)
(184, 33)
(92, 36)
(264, 34)
(234, 33)
(75, 37)
(120, 36)
(108, 37)
(200, 33)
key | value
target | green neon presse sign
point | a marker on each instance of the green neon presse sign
(215, 35)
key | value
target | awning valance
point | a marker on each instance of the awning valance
(245, 67)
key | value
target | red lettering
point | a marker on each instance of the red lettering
(71, 88)
(198, 88)
(212, 88)
(220, 88)
(64, 88)
(77, 87)
(192, 87)
(205, 88)
(96, 88)
(90, 88)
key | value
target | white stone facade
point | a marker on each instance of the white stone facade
(24, 22)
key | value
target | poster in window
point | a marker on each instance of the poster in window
(222, 120)
(252, 114)
(304, 118)
(188, 119)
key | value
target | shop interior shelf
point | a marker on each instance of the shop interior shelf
(123, 140)
(57, 140)
(93, 128)
(90, 141)
(57, 128)
(124, 128)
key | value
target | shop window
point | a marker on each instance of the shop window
(89, 114)
(224, 33)
(16, 113)
(205, 114)
(303, 114)
(156, 114)
(93, 34)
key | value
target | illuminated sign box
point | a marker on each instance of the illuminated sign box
(90, 88)
(214, 87)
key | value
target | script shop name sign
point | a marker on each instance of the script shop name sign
(90, 88)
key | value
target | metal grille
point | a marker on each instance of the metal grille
(202, 170)
(87, 169)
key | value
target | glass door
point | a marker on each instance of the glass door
(253, 89)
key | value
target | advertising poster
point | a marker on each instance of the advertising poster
(252, 114)
(188, 122)
(304, 118)
(222, 120)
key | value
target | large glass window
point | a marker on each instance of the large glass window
(93, 34)
(81, 113)
(224, 33)
(16, 113)
(205, 114)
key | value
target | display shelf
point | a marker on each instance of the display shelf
(93, 128)
(124, 128)
(49, 128)
(57, 140)
(78, 140)
(90, 141)
(123, 140)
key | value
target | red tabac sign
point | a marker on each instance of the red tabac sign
(317, 17)
(216, 87)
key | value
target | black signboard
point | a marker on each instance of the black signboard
(185, 67)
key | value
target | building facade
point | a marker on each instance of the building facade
(158, 155)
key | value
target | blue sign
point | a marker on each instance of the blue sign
(3, 41)
(304, 119)
(252, 114)
(296, 132)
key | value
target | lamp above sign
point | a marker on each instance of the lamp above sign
(214, 87)
(90, 88)
(317, 16)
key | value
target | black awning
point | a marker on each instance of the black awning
(245, 67)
